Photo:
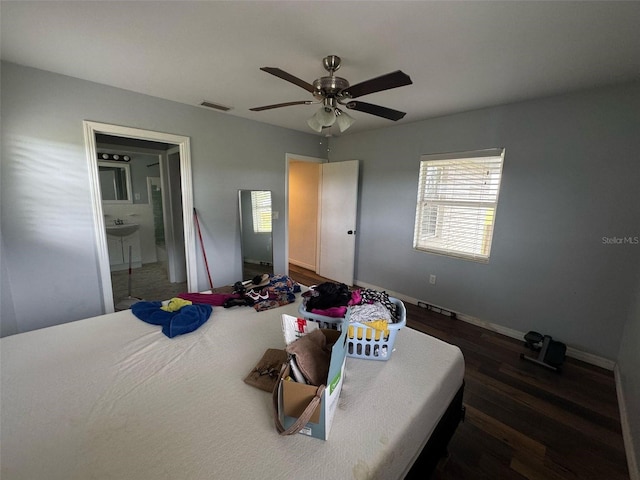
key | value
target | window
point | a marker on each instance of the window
(261, 210)
(457, 201)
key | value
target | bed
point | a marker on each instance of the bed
(111, 397)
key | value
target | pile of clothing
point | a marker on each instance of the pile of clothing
(275, 291)
(365, 305)
(263, 293)
(188, 311)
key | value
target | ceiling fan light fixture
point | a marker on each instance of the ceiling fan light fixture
(314, 123)
(343, 120)
(326, 116)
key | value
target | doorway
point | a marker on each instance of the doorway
(302, 212)
(181, 206)
(321, 216)
(152, 211)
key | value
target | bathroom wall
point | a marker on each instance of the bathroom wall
(142, 214)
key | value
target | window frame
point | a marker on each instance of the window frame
(463, 211)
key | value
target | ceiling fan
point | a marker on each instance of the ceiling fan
(332, 91)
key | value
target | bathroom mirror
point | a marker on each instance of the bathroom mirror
(115, 182)
(255, 232)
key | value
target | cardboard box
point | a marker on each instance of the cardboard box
(293, 397)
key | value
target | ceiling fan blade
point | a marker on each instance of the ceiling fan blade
(278, 105)
(385, 82)
(288, 77)
(377, 110)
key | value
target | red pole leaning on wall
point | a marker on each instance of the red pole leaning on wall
(204, 254)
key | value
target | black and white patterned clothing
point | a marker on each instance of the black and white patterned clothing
(369, 295)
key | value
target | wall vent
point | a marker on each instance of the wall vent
(215, 106)
(433, 308)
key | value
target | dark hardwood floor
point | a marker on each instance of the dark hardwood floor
(522, 420)
(304, 276)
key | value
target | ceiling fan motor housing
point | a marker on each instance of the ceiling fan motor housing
(329, 87)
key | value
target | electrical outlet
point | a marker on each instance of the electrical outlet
(432, 279)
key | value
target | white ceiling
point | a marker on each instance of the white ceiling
(460, 55)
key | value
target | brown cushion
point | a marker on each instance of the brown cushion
(312, 356)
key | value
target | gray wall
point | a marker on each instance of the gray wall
(49, 256)
(571, 177)
(139, 174)
(8, 325)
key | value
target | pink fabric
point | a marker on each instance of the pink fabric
(334, 312)
(215, 299)
(356, 298)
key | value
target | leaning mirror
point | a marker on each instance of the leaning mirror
(115, 182)
(255, 232)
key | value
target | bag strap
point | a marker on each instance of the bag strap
(303, 419)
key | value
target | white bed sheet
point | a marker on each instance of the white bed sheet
(111, 397)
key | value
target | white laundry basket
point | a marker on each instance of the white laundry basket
(362, 340)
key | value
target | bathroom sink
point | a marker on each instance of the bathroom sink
(122, 230)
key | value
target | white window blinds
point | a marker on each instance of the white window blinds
(457, 201)
(261, 210)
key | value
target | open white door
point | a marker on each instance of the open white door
(338, 211)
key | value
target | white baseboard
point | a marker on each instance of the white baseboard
(632, 461)
(509, 332)
(253, 261)
(302, 264)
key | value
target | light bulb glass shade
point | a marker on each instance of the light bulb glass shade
(314, 124)
(343, 120)
(326, 116)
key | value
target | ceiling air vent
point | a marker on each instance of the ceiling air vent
(215, 106)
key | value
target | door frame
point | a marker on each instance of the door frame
(104, 272)
(175, 259)
(292, 157)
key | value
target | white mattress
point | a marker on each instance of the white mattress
(111, 397)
